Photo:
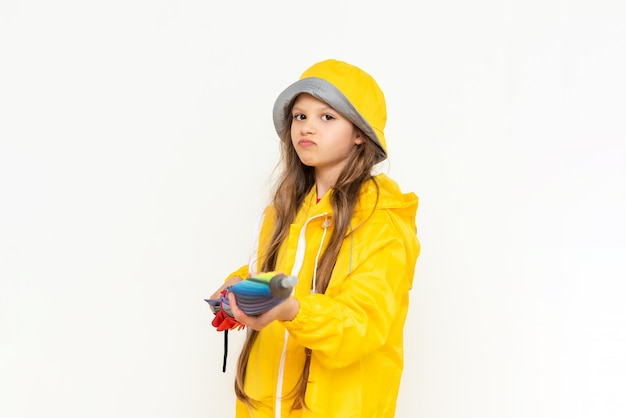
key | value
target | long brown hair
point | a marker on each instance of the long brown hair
(293, 184)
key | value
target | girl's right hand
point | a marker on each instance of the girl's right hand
(233, 280)
(284, 311)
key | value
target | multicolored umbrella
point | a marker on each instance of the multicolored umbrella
(255, 295)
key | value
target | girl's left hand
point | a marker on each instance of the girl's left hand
(284, 311)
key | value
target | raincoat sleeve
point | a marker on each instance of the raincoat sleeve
(345, 326)
(241, 272)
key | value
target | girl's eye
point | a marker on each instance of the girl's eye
(298, 116)
(327, 117)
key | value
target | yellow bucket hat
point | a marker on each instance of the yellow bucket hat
(347, 89)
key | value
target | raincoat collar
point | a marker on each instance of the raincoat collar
(386, 196)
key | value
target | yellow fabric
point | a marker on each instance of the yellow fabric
(360, 89)
(355, 329)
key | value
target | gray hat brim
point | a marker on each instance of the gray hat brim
(326, 92)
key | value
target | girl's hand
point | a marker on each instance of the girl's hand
(229, 282)
(284, 311)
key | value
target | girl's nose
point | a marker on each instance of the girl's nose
(307, 127)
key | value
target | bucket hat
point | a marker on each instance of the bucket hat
(347, 89)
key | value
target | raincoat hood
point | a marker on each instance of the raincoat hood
(382, 195)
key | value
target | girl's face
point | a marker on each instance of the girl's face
(321, 136)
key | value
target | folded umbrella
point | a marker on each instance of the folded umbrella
(255, 295)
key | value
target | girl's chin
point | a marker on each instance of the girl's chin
(309, 162)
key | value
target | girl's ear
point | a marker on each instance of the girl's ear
(358, 139)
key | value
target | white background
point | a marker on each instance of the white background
(136, 149)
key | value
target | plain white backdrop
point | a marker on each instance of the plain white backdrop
(136, 152)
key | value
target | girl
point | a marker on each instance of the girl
(335, 347)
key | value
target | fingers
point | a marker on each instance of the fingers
(238, 314)
(284, 311)
(256, 323)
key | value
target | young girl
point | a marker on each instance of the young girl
(335, 347)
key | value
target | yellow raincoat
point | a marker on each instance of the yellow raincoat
(355, 329)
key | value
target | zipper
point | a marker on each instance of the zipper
(297, 266)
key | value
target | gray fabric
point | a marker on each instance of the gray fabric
(326, 92)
